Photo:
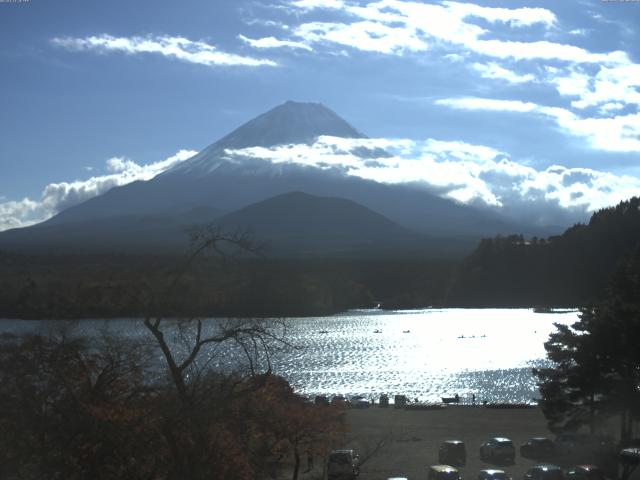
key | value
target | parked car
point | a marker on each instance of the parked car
(452, 452)
(537, 448)
(338, 399)
(498, 449)
(630, 456)
(493, 474)
(583, 444)
(443, 472)
(634, 442)
(544, 472)
(400, 401)
(343, 465)
(585, 472)
(359, 402)
(321, 400)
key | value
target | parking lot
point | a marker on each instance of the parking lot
(405, 443)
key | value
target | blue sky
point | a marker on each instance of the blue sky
(529, 107)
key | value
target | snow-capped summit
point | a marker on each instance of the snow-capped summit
(287, 124)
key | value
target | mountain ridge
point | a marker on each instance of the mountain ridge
(211, 180)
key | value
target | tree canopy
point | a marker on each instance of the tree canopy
(566, 270)
(596, 361)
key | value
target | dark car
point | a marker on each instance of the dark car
(583, 445)
(537, 448)
(585, 472)
(443, 472)
(493, 474)
(498, 449)
(630, 456)
(452, 452)
(544, 472)
(343, 465)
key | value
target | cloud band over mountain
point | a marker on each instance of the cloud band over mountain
(59, 196)
(471, 174)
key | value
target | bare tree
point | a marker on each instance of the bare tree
(202, 342)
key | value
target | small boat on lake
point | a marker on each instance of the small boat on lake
(449, 400)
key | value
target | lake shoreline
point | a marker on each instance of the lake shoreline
(293, 315)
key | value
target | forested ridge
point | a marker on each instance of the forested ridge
(86, 286)
(571, 269)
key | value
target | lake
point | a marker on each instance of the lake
(424, 354)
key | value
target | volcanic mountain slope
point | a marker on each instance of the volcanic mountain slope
(211, 178)
(212, 182)
(297, 223)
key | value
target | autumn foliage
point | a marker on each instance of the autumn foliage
(75, 409)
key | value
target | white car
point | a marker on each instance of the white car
(443, 472)
(492, 474)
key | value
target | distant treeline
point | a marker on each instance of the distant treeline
(124, 286)
(572, 269)
(567, 270)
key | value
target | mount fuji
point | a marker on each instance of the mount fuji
(329, 212)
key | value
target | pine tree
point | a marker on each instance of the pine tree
(596, 372)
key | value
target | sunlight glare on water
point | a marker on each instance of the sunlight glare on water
(424, 354)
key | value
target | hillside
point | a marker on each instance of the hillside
(570, 269)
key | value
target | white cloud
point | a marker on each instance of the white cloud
(272, 42)
(544, 50)
(475, 103)
(58, 196)
(13, 214)
(518, 17)
(176, 47)
(619, 133)
(311, 4)
(473, 174)
(366, 35)
(401, 26)
(608, 81)
(494, 71)
(616, 83)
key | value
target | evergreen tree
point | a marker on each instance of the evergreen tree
(596, 372)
